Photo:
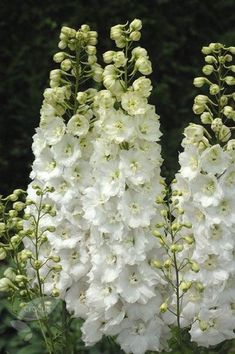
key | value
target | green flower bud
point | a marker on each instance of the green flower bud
(164, 213)
(163, 307)
(62, 45)
(195, 267)
(215, 46)
(206, 50)
(198, 108)
(21, 278)
(232, 50)
(135, 36)
(200, 287)
(228, 58)
(167, 264)
(189, 240)
(55, 258)
(207, 69)
(116, 32)
(55, 292)
(176, 226)
(223, 100)
(210, 59)
(18, 206)
(6, 285)
(206, 118)
(185, 285)
(59, 57)
(214, 89)
(156, 264)
(199, 81)
(216, 125)
(57, 268)
(232, 68)
(66, 65)
(108, 56)
(230, 80)
(91, 50)
(10, 273)
(37, 264)
(3, 253)
(136, 25)
(224, 134)
(12, 213)
(13, 197)
(156, 233)
(2, 227)
(228, 111)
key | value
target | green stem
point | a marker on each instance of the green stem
(77, 68)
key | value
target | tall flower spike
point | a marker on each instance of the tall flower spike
(120, 207)
(62, 145)
(204, 190)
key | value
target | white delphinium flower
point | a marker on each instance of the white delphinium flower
(62, 147)
(204, 189)
(120, 208)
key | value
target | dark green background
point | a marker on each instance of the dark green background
(173, 33)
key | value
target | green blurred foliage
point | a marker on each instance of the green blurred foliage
(173, 33)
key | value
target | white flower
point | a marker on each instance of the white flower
(45, 166)
(133, 103)
(54, 131)
(142, 86)
(118, 126)
(206, 190)
(147, 126)
(136, 167)
(39, 142)
(111, 177)
(224, 211)
(227, 181)
(214, 160)
(135, 209)
(101, 296)
(78, 125)
(214, 326)
(133, 286)
(67, 151)
(138, 337)
(75, 299)
(189, 162)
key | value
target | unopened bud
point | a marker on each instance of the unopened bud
(3, 253)
(207, 69)
(59, 57)
(55, 292)
(214, 89)
(136, 25)
(203, 325)
(163, 307)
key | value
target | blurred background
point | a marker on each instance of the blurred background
(173, 33)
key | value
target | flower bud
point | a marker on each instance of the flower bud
(207, 69)
(232, 50)
(224, 134)
(215, 46)
(136, 25)
(143, 65)
(59, 57)
(18, 206)
(228, 58)
(189, 240)
(62, 45)
(37, 264)
(13, 197)
(97, 73)
(216, 125)
(116, 32)
(156, 264)
(223, 100)
(230, 80)
(135, 36)
(228, 111)
(108, 56)
(6, 285)
(20, 278)
(167, 264)
(55, 258)
(3, 253)
(156, 233)
(200, 287)
(163, 307)
(176, 226)
(55, 292)
(210, 59)
(198, 108)
(201, 99)
(2, 227)
(214, 89)
(199, 81)
(164, 213)
(206, 50)
(185, 285)
(195, 267)
(10, 273)
(206, 118)
(91, 50)
(66, 65)
(13, 213)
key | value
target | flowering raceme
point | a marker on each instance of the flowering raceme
(122, 298)
(204, 189)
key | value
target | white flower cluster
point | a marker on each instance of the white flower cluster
(123, 297)
(205, 190)
(62, 148)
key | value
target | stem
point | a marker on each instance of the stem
(77, 67)
(125, 68)
(66, 329)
